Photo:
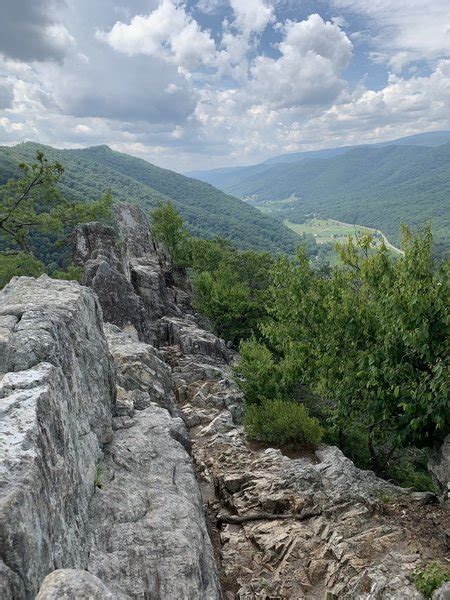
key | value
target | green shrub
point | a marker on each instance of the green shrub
(18, 264)
(281, 422)
(73, 273)
(431, 578)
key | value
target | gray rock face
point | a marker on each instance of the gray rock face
(130, 278)
(57, 401)
(119, 302)
(70, 584)
(91, 240)
(141, 368)
(443, 593)
(148, 528)
(335, 531)
(439, 466)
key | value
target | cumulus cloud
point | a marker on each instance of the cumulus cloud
(198, 83)
(29, 31)
(251, 16)
(313, 54)
(169, 31)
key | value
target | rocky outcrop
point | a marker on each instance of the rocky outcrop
(310, 525)
(439, 465)
(98, 493)
(147, 516)
(68, 584)
(57, 398)
(128, 474)
(131, 277)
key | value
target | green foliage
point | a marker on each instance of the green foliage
(72, 273)
(19, 263)
(30, 202)
(280, 422)
(36, 218)
(380, 187)
(371, 337)
(259, 376)
(230, 286)
(98, 480)
(168, 228)
(431, 578)
(207, 212)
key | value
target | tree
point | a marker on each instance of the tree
(371, 337)
(29, 202)
(230, 286)
(33, 203)
(168, 228)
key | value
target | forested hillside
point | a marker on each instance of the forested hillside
(208, 212)
(380, 187)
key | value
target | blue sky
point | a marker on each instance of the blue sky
(207, 83)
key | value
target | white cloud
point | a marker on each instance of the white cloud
(313, 55)
(405, 30)
(251, 16)
(169, 32)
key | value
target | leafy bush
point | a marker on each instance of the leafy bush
(230, 286)
(370, 337)
(72, 273)
(431, 578)
(18, 264)
(280, 422)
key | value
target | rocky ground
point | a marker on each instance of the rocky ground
(127, 473)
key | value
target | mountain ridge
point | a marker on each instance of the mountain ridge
(376, 186)
(208, 212)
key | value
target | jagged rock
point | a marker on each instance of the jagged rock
(57, 405)
(92, 240)
(117, 297)
(73, 584)
(134, 233)
(141, 368)
(439, 465)
(443, 593)
(356, 536)
(192, 340)
(150, 284)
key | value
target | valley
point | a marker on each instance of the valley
(329, 231)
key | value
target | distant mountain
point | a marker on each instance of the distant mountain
(430, 138)
(225, 176)
(207, 211)
(380, 185)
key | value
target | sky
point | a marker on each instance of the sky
(199, 84)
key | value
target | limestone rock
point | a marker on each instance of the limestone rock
(141, 367)
(91, 240)
(443, 593)
(192, 340)
(149, 537)
(439, 466)
(57, 401)
(73, 584)
(119, 302)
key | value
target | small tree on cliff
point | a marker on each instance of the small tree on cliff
(33, 202)
(168, 228)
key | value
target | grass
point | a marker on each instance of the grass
(327, 231)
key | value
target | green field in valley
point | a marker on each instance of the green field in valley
(329, 231)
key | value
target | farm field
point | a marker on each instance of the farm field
(329, 231)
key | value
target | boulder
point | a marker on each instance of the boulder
(71, 584)
(439, 465)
